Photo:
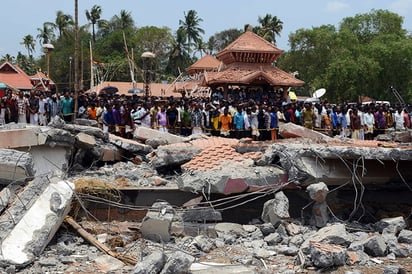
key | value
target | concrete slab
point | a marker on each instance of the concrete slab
(143, 134)
(15, 166)
(32, 220)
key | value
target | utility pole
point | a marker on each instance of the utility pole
(76, 57)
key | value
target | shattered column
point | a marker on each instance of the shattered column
(318, 193)
(32, 219)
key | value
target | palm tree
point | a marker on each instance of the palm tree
(270, 27)
(94, 17)
(200, 47)
(62, 22)
(29, 43)
(7, 58)
(45, 34)
(124, 21)
(190, 25)
(178, 56)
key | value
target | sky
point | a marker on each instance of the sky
(23, 17)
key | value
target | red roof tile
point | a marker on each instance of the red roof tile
(247, 74)
(14, 76)
(206, 63)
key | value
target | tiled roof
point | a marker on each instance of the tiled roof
(156, 89)
(250, 42)
(14, 76)
(214, 156)
(206, 63)
(251, 48)
(246, 74)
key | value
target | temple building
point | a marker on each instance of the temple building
(245, 67)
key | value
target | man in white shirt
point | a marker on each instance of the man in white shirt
(399, 119)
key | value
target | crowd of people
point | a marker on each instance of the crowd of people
(257, 118)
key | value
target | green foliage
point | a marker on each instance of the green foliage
(369, 53)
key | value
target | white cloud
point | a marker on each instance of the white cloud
(336, 6)
(401, 7)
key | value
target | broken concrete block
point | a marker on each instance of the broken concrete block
(152, 263)
(15, 166)
(318, 192)
(405, 236)
(291, 130)
(86, 122)
(157, 222)
(201, 215)
(16, 138)
(327, 255)
(109, 153)
(320, 214)
(178, 262)
(335, 234)
(129, 145)
(375, 246)
(60, 137)
(173, 155)
(276, 209)
(7, 194)
(402, 136)
(32, 219)
(232, 177)
(230, 228)
(203, 243)
(108, 263)
(85, 141)
(394, 224)
(143, 134)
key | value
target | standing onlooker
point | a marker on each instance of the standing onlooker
(161, 119)
(23, 105)
(369, 121)
(66, 107)
(42, 110)
(54, 107)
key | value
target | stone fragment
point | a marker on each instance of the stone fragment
(291, 130)
(335, 234)
(318, 192)
(405, 236)
(157, 222)
(400, 250)
(85, 122)
(327, 255)
(273, 239)
(153, 263)
(203, 243)
(60, 137)
(230, 228)
(33, 219)
(144, 134)
(393, 225)
(320, 213)
(375, 246)
(357, 257)
(108, 263)
(267, 228)
(15, 166)
(392, 269)
(110, 153)
(7, 195)
(276, 209)
(178, 262)
(85, 141)
(402, 136)
(201, 215)
(172, 155)
(287, 250)
(129, 145)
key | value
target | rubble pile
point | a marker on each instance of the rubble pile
(194, 237)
